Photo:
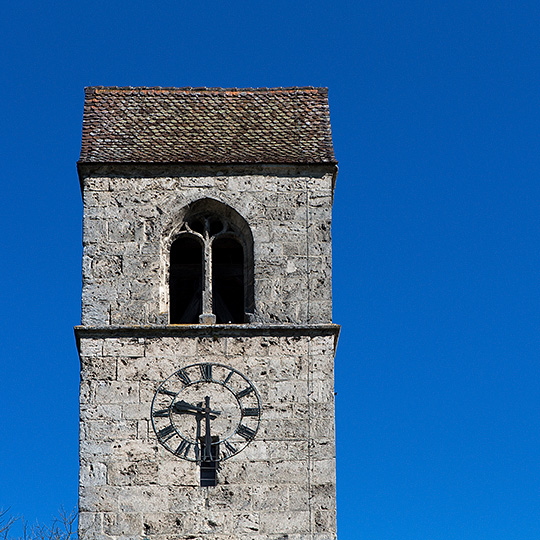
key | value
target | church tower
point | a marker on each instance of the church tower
(206, 343)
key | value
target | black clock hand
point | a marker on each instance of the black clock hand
(185, 407)
(198, 419)
(207, 436)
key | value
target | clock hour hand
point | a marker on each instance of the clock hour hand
(185, 407)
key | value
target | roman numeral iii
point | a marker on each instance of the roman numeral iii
(250, 411)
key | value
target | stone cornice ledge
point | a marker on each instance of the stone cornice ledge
(207, 330)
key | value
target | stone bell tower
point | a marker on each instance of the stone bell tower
(207, 344)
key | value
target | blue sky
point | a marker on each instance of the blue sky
(435, 111)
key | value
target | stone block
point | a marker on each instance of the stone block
(285, 367)
(122, 392)
(176, 349)
(324, 471)
(101, 412)
(246, 183)
(136, 411)
(122, 524)
(132, 473)
(98, 368)
(295, 472)
(94, 450)
(143, 429)
(294, 449)
(86, 392)
(184, 499)
(284, 429)
(322, 449)
(94, 230)
(322, 391)
(142, 499)
(323, 428)
(285, 522)
(204, 523)
(323, 496)
(90, 524)
(95, 312)
(96, 184)
(109, 430)
(93, 474)
(288, 392)
(324, 536)
(256, 451)
(134, 450)
(322, 366)
(98, 498)
(211, 346)
(92, 347)
(162, 523)
(324, 520)
(225, 497)
(299, 498)
(106, 266)
(270, 498)
(244, 522)
(147, 390)
(130, 347)
(143, 368)
(176, 472)
(121, 231)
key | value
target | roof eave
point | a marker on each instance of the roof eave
(83, 167)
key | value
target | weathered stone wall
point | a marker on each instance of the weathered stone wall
(129, 215)
(282, 486)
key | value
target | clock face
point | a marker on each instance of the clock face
(206, 412)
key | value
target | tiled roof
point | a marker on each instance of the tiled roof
(208, 125)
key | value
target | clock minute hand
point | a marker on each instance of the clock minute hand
(207, 436)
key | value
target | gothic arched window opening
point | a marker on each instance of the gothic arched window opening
(228, 280)
(185, 280)
(210, 278)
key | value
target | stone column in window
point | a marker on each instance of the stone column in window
(207, 316)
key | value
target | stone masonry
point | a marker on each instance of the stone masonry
(281, 486)
(130, 219)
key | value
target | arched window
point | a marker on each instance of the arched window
(185, 280)
(211, 268)
(228, 280)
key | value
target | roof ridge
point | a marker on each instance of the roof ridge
(202, 89)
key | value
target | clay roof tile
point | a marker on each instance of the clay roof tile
(206, 125)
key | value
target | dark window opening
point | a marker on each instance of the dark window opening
(228, 280)
(209, 467)
(185, 280)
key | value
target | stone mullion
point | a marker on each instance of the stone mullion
(207, 316)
